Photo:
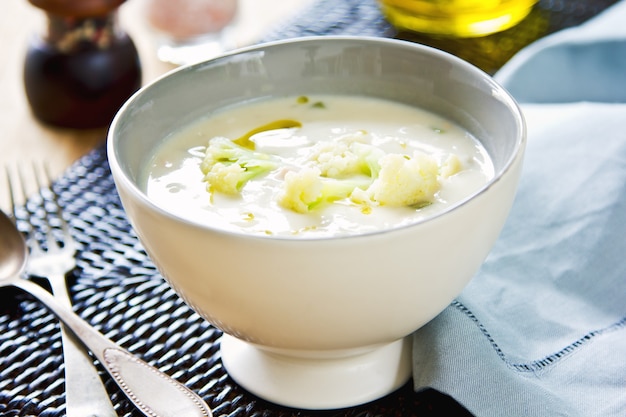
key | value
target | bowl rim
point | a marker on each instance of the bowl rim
(504, 95)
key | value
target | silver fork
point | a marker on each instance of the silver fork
(85, 394)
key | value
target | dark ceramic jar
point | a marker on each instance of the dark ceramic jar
(82, 67)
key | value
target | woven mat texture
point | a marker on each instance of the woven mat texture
(117, 289)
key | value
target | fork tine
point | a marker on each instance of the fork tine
(9, 187)
(17, 189)
(12, 199)
(36, 225)
(65, 228)
(52, 211)
(48, 235)
(41, 217)
(17, 185)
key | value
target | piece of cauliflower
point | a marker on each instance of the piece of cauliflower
(301, 189)
(404, 181)
(306, 189)
(334, 159)
(450, 166)
(369, 157)
(226, 178)
(227, 167)
(345, 156)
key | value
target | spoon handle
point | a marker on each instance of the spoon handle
(153, 392)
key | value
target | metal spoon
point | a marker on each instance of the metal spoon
(152, 391)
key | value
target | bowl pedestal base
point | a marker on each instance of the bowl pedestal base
(318, 381)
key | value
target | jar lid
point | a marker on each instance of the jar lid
(81, 8)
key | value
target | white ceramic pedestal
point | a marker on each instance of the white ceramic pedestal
(321, 381)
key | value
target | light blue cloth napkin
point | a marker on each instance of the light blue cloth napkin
(541, 330)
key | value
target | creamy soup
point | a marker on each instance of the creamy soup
(315, 166)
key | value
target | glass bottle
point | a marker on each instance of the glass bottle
(189, 31)
(83, 67)
(456, 18)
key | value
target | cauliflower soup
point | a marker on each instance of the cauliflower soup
(315, 166)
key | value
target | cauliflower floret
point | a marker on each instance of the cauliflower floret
(363, 197)
(451, 166)
(334, 159)
(227, 167)
(301, 189)
(369, 158)
(405, 181)
(225, 178)
(306, 189)
(346, 157)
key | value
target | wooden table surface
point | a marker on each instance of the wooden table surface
(25, 140)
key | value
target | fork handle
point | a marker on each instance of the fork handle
(153, 392)
(85, 395)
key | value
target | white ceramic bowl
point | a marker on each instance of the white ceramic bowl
(321, 323)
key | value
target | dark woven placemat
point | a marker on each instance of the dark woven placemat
(117, 289)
